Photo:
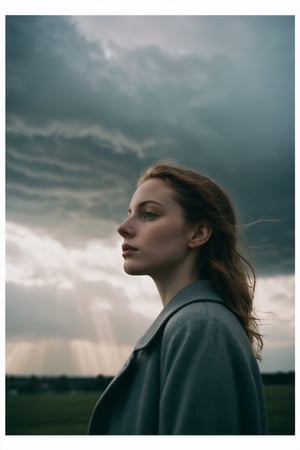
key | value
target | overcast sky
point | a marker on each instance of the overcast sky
(91, 101)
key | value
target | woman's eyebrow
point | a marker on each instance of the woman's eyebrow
(145, 202)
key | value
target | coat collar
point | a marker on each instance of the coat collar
(199, 291)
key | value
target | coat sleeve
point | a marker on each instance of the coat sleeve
(205, 377)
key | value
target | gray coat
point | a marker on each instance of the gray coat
(192, 373)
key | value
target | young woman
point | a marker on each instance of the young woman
(194, 372)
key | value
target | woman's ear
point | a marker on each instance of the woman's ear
(200, 234)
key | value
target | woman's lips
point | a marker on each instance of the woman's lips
(128, 250)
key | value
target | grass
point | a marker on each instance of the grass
(280, 402)
(53, 414)
(59, 414)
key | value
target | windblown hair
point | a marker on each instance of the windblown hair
(220, 259)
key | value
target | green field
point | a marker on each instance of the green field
(280, 400)
(59, 414)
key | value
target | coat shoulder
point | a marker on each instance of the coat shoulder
(205, 319)
(203, 311)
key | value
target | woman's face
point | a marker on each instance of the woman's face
(156, 234)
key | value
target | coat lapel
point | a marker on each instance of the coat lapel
(199, 291)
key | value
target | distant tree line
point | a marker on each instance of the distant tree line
(67, 384)
(50, 384)
(279, 378)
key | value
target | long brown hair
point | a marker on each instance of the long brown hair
(221, 261)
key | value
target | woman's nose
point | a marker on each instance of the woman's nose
(125, 229)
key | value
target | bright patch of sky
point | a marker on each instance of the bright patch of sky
(98, 312)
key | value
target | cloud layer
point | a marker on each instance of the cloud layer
(85, 113)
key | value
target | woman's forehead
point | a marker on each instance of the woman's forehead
(153, 190)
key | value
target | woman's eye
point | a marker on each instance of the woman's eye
(147, 215)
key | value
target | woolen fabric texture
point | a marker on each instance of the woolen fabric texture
(192, 373)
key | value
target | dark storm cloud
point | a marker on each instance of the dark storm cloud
(84, 117)
(54, 179)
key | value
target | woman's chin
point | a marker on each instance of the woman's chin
(131, 270)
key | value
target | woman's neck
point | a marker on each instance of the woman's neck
(168, 287)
